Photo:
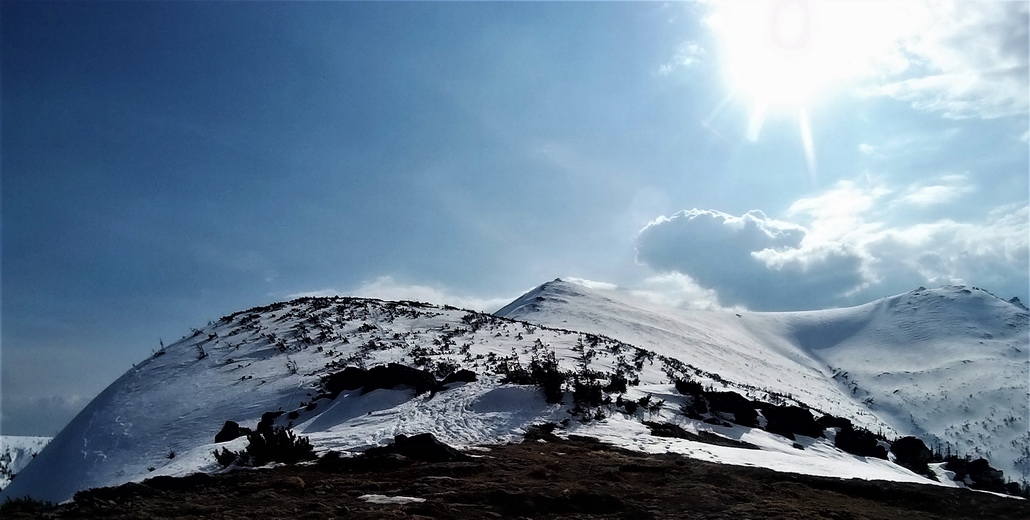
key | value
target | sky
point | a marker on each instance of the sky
(168, 163)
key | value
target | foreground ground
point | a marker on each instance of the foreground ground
(578, 478)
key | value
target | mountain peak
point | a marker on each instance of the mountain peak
(556, 291)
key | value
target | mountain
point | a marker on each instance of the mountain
(350, 374)
(950, 365)
(16, 451)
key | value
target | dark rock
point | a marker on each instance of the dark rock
(395, 374)
(382, 376)
(267, 420)
(350, 378)
(462, 376)
(423, 447)
(544, 432)
(859, 442)
(790, 420)
(742, 408)
(912, 453)
(831, 421)
(985, 477)
(230, 430)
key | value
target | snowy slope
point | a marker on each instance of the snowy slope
(160, 418)
(16, 451)
(949, 364)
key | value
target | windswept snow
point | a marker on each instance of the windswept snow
(910, 364)
(950, 365)
(16, 452)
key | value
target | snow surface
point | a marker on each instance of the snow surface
(16, 451)
(160, 418)
(949, 365)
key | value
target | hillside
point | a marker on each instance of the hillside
(574, 478)
(590, 364)
(16, 451)
(950, 365)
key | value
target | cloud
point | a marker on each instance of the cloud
(948, 189)
(751, 260)
(677, 290)
(386, 288)
(958, 58)
(991, 252)
(667, 290)
(838, 249)
(687, 54)
(963, 59)
(591, 284)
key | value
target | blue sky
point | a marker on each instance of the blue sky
(167, 163)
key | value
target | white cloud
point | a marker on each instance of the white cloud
(751, 260)
(668, 290)
(948, 189)
(964, 59)
(591, 284)
(386, 288)
(958, 58)
(838, 248)
(676, 290)
(687, 54)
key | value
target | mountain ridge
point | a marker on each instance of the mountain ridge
(161, 417)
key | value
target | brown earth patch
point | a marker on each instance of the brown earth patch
(577, 479)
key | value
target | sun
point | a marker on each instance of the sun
(782, 58)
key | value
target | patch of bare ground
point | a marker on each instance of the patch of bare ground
(577, 479)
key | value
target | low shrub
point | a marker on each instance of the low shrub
(267, 446)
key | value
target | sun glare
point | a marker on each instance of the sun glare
(782, 58)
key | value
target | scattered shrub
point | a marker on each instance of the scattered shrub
(912, 453)
(267, 446)
(24, 505)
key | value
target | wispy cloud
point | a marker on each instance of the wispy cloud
(948, 189)
(963, 59)
(687, 54)
(669, 290)
(957, 58)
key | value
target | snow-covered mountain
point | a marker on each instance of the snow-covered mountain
(16, 451)
(948, 362)
(949, 365)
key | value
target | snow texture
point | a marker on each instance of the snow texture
(16, 452)
(949, 364)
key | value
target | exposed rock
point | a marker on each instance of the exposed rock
(913, 454)
(859, 442)
(424, 447)
(390, 375)
(790, 420)
(231, 430)
(463, 376)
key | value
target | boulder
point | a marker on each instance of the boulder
(912, 453)
(230, 430)
(461, 376)
(789, 421)
(424, 447)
